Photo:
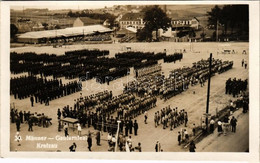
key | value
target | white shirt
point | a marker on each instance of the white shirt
(79, 128)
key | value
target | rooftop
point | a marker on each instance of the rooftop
(74, 31)
(132, 17)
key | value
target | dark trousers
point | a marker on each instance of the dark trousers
(30, 128)
(233, 128)
(89, 147)
(130, 130)
(98, 141)
(135, 131)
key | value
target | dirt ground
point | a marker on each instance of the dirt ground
(194, 104)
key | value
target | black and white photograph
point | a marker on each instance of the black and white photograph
(130, 77)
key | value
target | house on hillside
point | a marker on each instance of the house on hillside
(38, 27)
(84, 21)
(106, 23)
(186, 22)
(134, 20)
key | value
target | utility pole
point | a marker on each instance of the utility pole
(217, 32)
(117, 133)
(208, 94)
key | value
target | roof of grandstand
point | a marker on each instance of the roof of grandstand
(73, 31)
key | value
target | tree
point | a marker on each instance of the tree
(143, 35)
(111, 20)
(233, 17)
(155, 18)
(70, 14)
(202, 35)
(13, 31)
(192, 33)
(215, 15)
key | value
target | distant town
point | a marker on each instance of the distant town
(128, 23)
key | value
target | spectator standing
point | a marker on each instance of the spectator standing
(157, 146)
(66, 132)
(135, 127)
(233, 124)
(98, 135)
(30, 123)
(145, 117)
(194, 129)
(32, 100)
(179, 137)
(59, 113)
(211, 127)
(219, 127)
(89, 142)
(79, 129)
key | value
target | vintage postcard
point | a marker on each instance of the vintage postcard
(142, 80)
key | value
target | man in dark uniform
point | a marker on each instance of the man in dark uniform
(30, 123)
(126, 128)
(12, 116)
(32, 100)
(89, 142)
(130, 126)
(135, 127)
(179, 138)
(18, 123)
(98, 138)
(233, 123)
(59, 113)
(21, 116)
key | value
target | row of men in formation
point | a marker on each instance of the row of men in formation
(170, 117)
(76, 63)
(50, 64)
(107, 106)
(141, 55)
(51, 58)
(92, 100)
(178, 80)
(173, 58)
(148, 70)
(106, 77)
(236, 86)
(126, 107)
(25, 86)
(41, 90)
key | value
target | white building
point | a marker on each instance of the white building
(192, 22)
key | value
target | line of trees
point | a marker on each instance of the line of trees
(233, 18)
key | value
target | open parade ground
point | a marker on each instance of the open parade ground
(193, 100)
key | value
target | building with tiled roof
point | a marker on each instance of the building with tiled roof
(134, 20)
